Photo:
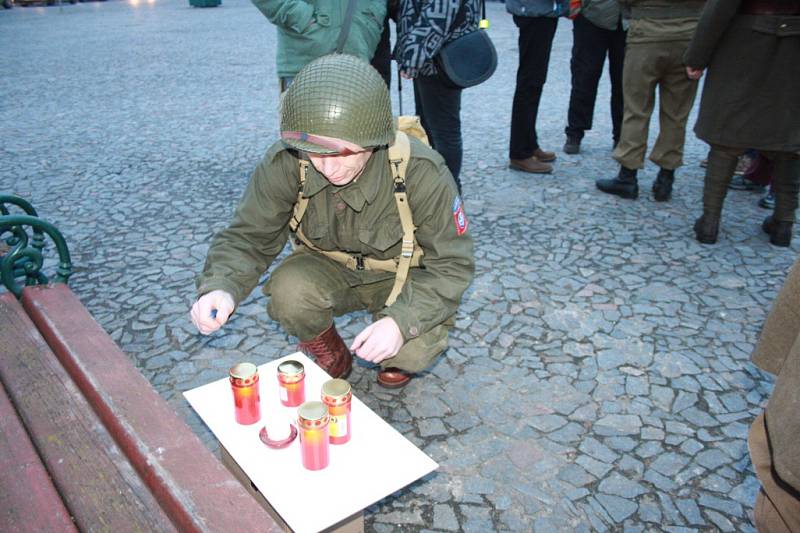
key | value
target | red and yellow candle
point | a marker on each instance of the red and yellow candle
(246, 398)
(291, 383)
(337, 396)
(312, 421)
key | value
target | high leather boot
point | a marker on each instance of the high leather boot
(786, 185)
(624, 185)
(662, 186)
(330, 352)
(719, 172)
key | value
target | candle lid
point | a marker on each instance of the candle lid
(335, 388)
(313, 411)
(243, 371)
(291, 367)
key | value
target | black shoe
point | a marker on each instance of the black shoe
(706, 229)
(572, 146)
(624, 185)
(662, 187)
(779, 231)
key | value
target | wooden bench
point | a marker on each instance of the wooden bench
(87, 443)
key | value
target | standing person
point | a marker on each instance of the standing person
(658, 36)
(760, 110)
(308, 29)
(537, 21)
(423, 27)
(773, 435)
(597, 31)
(365, 203)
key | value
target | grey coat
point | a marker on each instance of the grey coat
(602, 13)
(537, 8)
(778, 352)
(751, 97)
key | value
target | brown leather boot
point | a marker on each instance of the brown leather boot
(330, 352)
(393, 378)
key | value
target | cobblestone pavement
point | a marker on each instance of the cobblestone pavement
(598, 378)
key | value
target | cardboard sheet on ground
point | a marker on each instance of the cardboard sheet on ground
(376, 462)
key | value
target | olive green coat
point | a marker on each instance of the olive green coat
(308, 29)
(654, 21)
(359, 218)
(778, 352)
(750, 98)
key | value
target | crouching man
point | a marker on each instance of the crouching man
(375, 219)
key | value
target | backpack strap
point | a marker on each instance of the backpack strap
(399, 154)
(302, 202)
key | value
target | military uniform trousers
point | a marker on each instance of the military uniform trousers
(308, 289)
(785, 180)
(648, 66)
(777, 508)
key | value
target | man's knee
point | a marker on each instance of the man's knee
(294, 293)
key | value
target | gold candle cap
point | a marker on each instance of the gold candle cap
(336, 388)
(312, 414)
(243, 371)
(291, 368)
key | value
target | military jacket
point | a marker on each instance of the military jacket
(655, 21)
(310, 29)
(358, 218)
(778, 352)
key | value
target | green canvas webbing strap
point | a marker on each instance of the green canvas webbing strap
(410, 253)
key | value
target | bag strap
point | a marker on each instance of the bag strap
(348, 20)
(302, 202)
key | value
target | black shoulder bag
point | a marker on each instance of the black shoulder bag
(468, 60)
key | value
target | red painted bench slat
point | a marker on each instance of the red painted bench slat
(93, 477)
(28, 499)
(191, 484)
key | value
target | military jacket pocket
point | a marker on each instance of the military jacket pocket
(382, 239)
(778, 26)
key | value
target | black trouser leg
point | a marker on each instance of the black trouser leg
(382, 60)
(535, 42)
(439, 107)
(589, 45)
(616, 58)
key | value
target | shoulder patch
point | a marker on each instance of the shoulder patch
(459, 217)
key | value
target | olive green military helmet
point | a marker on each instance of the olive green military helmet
(338, 96)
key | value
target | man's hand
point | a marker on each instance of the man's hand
(378, 341)
(202, 316)
(694, 73)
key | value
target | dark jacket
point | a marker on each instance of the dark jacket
(358, 218)
(602, 13)
(778, 352)
(538, 8)
(424, 27)
(751, 97)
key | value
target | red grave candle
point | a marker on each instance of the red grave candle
(337, 396)
(246, 398)
(291, 383)
(312, 422)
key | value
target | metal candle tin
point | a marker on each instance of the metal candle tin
(291, 383)
(246, 398)
(337, 396)
(312, 421)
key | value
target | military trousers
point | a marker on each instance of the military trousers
(308, 289)
(647, 67)
(777, 507)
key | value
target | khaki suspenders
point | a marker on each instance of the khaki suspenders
(410, 254)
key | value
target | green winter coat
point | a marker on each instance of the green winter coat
(308, 29)
(750, 97)
(655, 21)
(358, 218)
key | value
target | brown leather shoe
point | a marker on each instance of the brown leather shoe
(393, 378)
(330, 352)
(532, 165)
(543, 156)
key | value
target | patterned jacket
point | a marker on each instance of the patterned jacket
(423, 27)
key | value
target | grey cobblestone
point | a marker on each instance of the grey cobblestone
(598, 378)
